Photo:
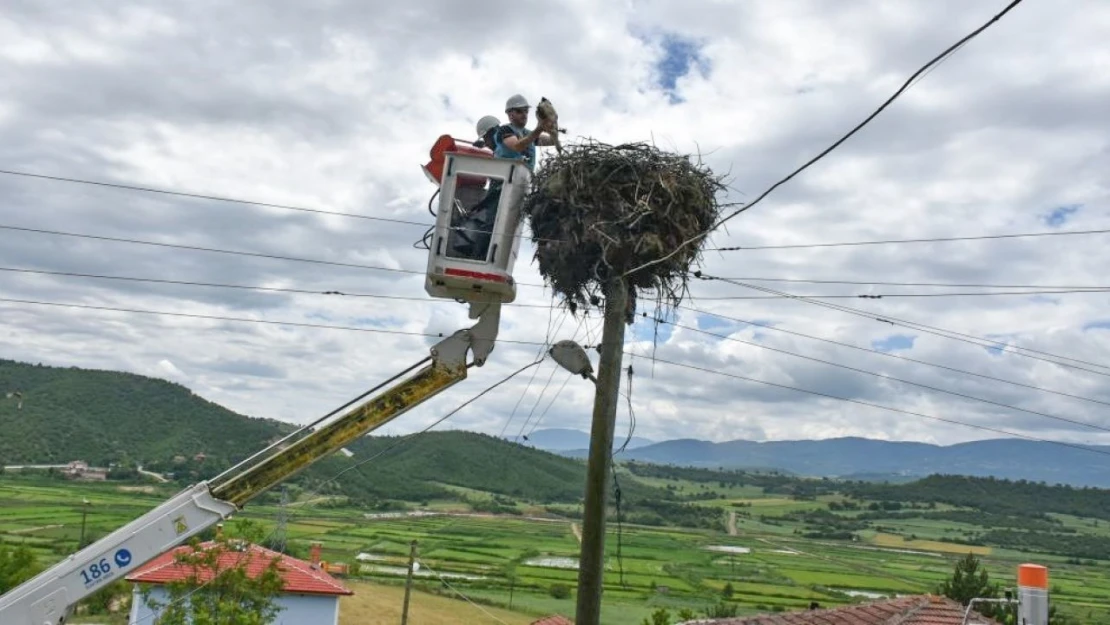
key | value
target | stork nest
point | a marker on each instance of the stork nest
(598, 211)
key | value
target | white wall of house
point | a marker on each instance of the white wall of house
(296, 609)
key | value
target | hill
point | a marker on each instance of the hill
(108, 416)
(436, 465)
(850, 457)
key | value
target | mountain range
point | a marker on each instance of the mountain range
(862, 458)
(101, 417)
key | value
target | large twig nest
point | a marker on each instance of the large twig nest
(598, 211)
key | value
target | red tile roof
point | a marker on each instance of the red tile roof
(554, 619)
(913, 610)
(300, 576)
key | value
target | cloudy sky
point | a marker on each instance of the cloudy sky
(334, 105)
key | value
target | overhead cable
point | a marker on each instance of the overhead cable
(937, 59)
(920, 327)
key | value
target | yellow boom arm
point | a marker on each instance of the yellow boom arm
(48, 598)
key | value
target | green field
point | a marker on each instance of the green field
(516, 561)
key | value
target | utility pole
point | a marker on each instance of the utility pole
(84, 514)
(282, 519)
(591, 562)
(408, 583)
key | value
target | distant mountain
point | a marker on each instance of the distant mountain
(107, 416)
(867, 459)
(562, 439)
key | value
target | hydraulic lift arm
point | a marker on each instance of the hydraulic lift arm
(48, 598)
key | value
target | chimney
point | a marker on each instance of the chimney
(316, 558)
(1033, 594)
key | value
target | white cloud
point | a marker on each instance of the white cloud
(335, 107)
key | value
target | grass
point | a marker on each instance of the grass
(381, 604)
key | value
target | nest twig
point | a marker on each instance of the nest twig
(597, 211)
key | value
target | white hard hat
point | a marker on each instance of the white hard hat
(486, 123)
(517, 102)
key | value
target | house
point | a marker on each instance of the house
(910, 610)
(80, 470)
(554, 619)
(309, 596)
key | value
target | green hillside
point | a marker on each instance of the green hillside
(426, 466)
(107, 416)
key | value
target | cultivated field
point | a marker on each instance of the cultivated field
(523, 565)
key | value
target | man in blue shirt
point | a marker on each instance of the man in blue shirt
(514, 140)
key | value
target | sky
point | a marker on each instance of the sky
(334, 106)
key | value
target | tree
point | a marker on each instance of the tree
(728, 591)
(218, 589)
(970, 581)
(17, 565)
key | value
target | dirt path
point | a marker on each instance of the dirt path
(34, 529)
(577, 532)
(731, 522)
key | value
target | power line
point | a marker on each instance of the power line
(201, 196)
(539, 355)
(543, 391)
(206, 249)
(949, 334)
(879, 406)
(930, 284)
(896, 356)
(918, 295)
(217, 198)
(937, 59)
(467, 599)
(250, 287)
(222, 251)
(244, 320)
(901, 241)
(886, 377)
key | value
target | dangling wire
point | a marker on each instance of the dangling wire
(631, 412)
(425, 242)
(616, 479)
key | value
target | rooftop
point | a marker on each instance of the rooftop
(912, 610)
(300, 576)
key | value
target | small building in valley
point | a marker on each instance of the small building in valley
(310, 596)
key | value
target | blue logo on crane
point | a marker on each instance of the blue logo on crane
(123, 558)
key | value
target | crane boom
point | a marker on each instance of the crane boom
(48, 598)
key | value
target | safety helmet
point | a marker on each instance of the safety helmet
(486, 124)
(516, 102)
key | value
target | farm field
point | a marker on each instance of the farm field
(526, 565)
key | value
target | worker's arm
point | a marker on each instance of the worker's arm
(519, 144)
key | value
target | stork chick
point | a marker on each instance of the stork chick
(545, 112)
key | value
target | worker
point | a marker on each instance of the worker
(472, 233)
(514, 140)
(486, 127)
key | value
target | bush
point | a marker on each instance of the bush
(559, 591)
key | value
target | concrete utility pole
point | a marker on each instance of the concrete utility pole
(591, 562)
(408, 583)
